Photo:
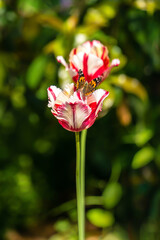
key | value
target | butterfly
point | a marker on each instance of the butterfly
(87, 87)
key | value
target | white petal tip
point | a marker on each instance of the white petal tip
(61, 60)
(115, 63)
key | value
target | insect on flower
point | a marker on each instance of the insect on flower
(87, 87)
(75, 111)
(92, 58)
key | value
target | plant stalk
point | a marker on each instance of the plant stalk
(80, 182)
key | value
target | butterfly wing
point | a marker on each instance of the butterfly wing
(81, 80)
(90, 87)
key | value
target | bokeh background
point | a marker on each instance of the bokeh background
(37, 156)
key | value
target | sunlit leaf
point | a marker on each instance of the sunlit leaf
(1, 4)
(143, 157)
(93, 16)
(143, 136)
(88, 30)
(56, 47)
(130, 85)
(149, 6)
(62, 226)
(29, 7)
(139, 136)
(36, 71)
(112, 194)
(51, 20)
(108, 10)
(100, 217)
(71, 23)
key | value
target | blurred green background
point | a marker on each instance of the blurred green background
(37, 156)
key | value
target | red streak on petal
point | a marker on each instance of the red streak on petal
(85, 66)
(73, 66)
(99, 104)
(93, 106)
(79, 95)
(91, 43)
(75, 51)
(73, 106)
(53, 94)
(104, 49)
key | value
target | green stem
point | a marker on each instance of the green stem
(80, 182)
(83, 150)
(78, 188)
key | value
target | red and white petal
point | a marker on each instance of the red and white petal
(114, 63)
(73, 73)
(91, 99)
(76, 97)
(73, 114)
(77, 61)
(90, 46)
(53, 92)
(65, 94)
(97, 48)
(89, 64)
(93, 64)
(100, 95)
(87, 46)
(61, 60)
(89, 121)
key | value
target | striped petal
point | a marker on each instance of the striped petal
(77, 61)
(72, 115)
(61, 60)
(53, 92)
(114, 63)
(65, 94)
(94, 63)
(92, 58)
(100, 95)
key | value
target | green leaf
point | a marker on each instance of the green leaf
(112, 194)
(100, 217)
(29, 7)
(143, 157)
(143, 136)
(130, 85)
(139, 136)
(62, 226)
(36, 71)
(94, 16)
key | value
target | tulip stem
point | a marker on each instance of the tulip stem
(83, 150)
(80, 182)
(78, 187)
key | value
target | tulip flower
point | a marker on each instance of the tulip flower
(92, 58)
(77, 106)
(75, 111)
